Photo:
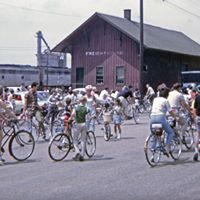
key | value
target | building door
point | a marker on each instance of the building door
(79, 77)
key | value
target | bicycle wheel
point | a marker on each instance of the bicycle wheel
(188, 138)
(21, 145)
(148, 106)
(90, 144)
(176, 147)
(59, 147)
(152, 150)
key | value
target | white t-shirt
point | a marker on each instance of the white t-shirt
(104, 94)
(175, 98)
(160, 106)
(150, 91)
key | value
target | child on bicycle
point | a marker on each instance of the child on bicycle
(117, 118)
(79, 129)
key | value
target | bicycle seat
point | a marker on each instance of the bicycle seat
(156, 126)
(12, 122)
(157, 129)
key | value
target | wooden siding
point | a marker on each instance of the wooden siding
(164, 67)
(102, 45)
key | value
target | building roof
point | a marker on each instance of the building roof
(154, 37)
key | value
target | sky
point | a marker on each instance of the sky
(21, 19)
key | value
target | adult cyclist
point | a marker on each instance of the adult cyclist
(177, 102)
(126, 97)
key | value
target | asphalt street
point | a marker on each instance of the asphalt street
(118, 171)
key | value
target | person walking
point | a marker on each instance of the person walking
(79, 129)
(117, 118)
(196, 116)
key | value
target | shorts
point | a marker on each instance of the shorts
(117, 119)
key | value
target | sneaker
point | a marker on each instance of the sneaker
(105, 137)
(44, 137)
(2, 161)
(119, 136)
(81, 158)
(152, 159)
(195, 158)
(115, 136)
(76, 157)
(166, 151)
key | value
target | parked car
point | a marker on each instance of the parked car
(79, 91)
(20, 100)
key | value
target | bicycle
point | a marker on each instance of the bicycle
(21, 142)
(30, 123)
(188, 136)
(155, 144)
(61, 144)
(143, 105)
(133, 112)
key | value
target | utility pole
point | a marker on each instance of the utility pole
(39, 58)
(141, 47)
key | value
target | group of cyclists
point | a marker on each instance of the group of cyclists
(82, 111)
(174, 102)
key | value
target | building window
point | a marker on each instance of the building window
(2, 77)
(99, 75)
(120, 75)
(22, 77)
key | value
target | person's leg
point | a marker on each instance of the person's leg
(170, 133)
(196, 139)
(119, 131)
(83, 141)
(115, 130)
(75, 135)
(41, 124)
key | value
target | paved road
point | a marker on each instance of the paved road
(117, 171)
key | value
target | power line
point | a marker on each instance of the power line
(182, 9)
(17, 50)
(40, 11)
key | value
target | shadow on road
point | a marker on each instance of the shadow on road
(20, 162)
(128, 138)
(174, 163)
(98, 158)
(94, 158)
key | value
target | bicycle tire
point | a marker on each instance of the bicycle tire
(176, 147)
(90, 144)
(62, 145)
(21, 145)
(152, 154)
(188, 138)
